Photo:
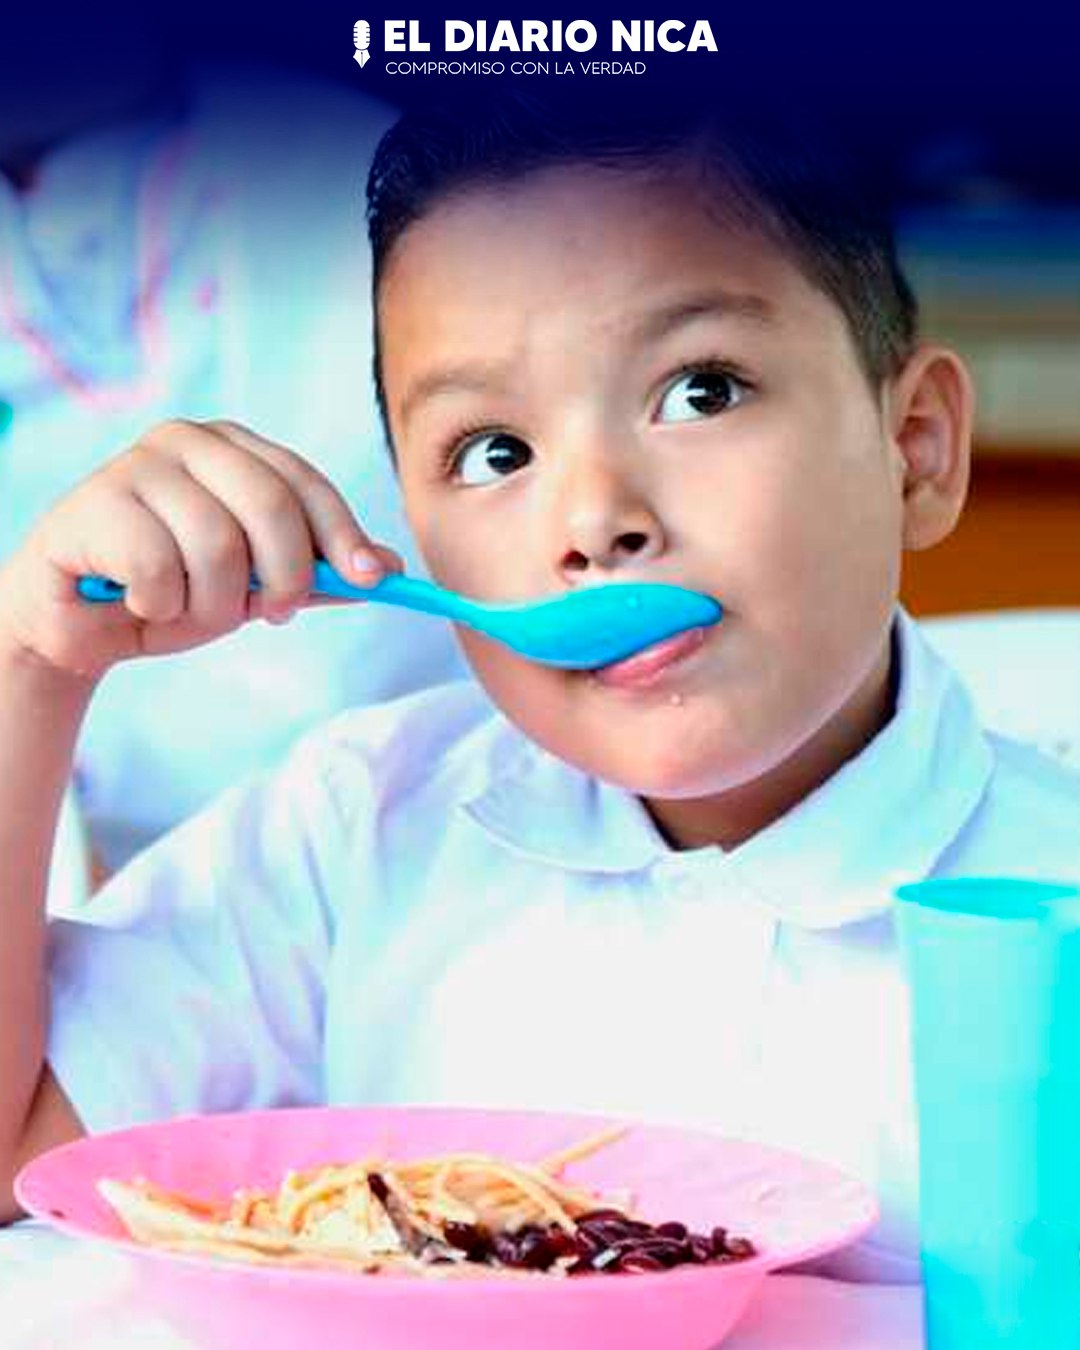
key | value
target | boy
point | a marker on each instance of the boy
(607, 351)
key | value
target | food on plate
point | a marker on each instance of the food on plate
(456, 1214)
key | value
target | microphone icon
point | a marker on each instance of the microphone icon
(361, 36)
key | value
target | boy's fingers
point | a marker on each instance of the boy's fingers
(140, 553)
(270, 515)
(210, 540)
(337, 535)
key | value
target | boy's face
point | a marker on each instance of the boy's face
(593, 377)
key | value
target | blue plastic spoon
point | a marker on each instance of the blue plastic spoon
(581, 630)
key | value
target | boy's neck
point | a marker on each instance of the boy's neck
(731, 818)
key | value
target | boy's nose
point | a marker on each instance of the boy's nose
(606, 522)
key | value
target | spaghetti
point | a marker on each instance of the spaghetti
(452, 1215)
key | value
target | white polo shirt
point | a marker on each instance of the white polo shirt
(423, 906)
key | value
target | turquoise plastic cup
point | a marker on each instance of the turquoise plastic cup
(994, 969)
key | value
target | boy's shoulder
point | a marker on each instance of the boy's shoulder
(449, 735)
(1028, 820)
(1033, 784)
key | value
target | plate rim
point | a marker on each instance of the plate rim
(764, 1262)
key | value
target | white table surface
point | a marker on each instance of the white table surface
(56, 1293)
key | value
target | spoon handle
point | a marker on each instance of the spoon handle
(393, 589)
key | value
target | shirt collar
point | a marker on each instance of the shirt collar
(545, 809)
(888, 814)
(884, 818)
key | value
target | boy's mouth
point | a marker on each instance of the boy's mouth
(649, 665)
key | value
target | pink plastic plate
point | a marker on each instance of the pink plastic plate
(790, 1207)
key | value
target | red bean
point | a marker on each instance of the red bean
(535, 1250)
(470, 1238)
(640, 1263)
(701, 1248)
(596, 1215)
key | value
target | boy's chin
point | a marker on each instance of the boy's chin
(675, 778)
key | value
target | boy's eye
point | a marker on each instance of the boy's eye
(493, 455)
(701, 393)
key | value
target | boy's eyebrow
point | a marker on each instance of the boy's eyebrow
(473, 378)
(480, 376)
(658, 323)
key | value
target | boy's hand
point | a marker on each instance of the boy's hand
(180, 520)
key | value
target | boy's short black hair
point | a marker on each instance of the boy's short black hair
(795, 184)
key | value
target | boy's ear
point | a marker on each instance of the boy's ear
(931, 410)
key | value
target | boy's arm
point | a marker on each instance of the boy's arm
(52, 1120)
(179, 520)
(40, 715)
